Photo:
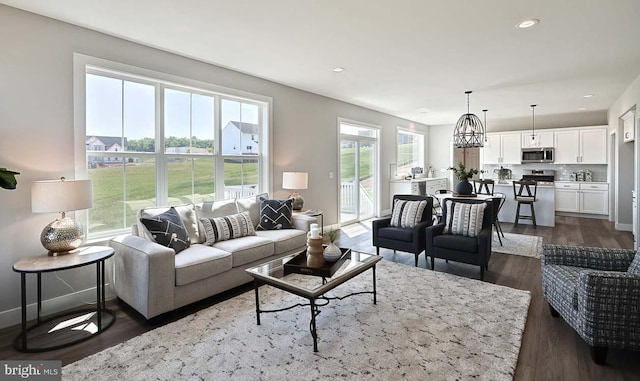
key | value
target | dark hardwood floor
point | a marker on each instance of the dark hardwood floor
(550, 350)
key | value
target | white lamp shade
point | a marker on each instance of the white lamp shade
(51, 196)
(295, 180)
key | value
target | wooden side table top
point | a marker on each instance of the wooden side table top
(79, 257)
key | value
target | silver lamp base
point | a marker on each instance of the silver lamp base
(62, 236)
(298, 201)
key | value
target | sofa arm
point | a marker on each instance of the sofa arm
(596, 258)
(610, 301)
(302, 221)
(143, 274)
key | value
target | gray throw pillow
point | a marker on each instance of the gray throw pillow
(168, 230)
(275, 214)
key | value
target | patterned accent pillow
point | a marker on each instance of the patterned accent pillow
(634, 268)
(228, 227)
(407, 214)
(275, 214)
(464, 219)
(168, 230)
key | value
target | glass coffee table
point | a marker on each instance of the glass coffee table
(278, 274)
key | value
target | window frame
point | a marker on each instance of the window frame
(421, 155)
(84, 64)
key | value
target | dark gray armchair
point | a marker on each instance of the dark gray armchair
(460, 248)
(411, 240)
(596, 293)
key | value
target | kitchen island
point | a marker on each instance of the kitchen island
(545, 206)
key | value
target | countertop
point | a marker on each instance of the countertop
(418, 179)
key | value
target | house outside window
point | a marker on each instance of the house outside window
(151, 142)
(409, 150)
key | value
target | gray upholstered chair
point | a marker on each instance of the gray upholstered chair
(409, 239)
(474, 250)
(597, 292)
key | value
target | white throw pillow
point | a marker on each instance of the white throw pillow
(464, 219)
(407, 214)
(228, 227)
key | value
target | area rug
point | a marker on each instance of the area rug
(426, 325)
(518, 244)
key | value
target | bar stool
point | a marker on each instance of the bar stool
(484, 186)
(498, 200)
(523, 194)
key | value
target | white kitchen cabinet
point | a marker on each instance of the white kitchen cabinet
(502, 149)
(587, 198)
(581, 146)
(568, 197)
(542, 139)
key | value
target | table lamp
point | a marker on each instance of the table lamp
(64, 234)
(295, 181)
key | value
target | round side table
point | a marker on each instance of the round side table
(70, 327)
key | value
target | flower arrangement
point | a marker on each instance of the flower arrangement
(462, 173)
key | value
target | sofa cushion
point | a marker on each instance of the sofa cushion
(200, 262)
(634, 268)
(251, 205)
(186, 212)
(227, 227)
(407, 214)
(246, 249)
(464, 219)
(168, 230)
(275, 214)
(284, 240)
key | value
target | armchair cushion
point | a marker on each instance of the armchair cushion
(228, 227)
(399, 234)
(464, 218)
(634, 268)
(407, 214)
(597, 258)
(168, 230)
(456, 242)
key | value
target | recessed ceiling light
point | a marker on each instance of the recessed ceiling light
(528, 23)
(588, 95)
(338, 69)
(582, 108)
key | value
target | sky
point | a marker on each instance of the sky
(105, 110)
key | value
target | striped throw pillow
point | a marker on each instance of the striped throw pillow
(228, 227)
(634, 268)
(464, 219)
(407, 214)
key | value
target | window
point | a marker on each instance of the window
(152, 142)
(410, 151)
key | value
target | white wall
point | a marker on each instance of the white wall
(36, 133)
(626, 151)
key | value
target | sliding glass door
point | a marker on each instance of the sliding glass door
(358, 172)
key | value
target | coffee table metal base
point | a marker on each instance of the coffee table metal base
(313, 303)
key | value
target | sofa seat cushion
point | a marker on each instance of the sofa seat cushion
(246, 249)
(561, 284)
(284, 240)
(200, 262)
(456, 242)
(398, 234)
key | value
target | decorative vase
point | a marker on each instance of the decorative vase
(332, 253)
(464, 187)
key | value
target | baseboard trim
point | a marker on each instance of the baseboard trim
(52, 306)
(624, 227)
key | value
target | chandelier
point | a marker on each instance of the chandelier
(469, 131)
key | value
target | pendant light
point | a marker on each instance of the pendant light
(485, 124)
(533, 124)
(469, 131)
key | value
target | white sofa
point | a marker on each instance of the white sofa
(152, 279)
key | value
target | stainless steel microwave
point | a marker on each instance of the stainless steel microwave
(537, 155)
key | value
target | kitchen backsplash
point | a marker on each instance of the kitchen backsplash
(563, 171)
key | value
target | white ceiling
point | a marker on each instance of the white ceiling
(402, 57)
